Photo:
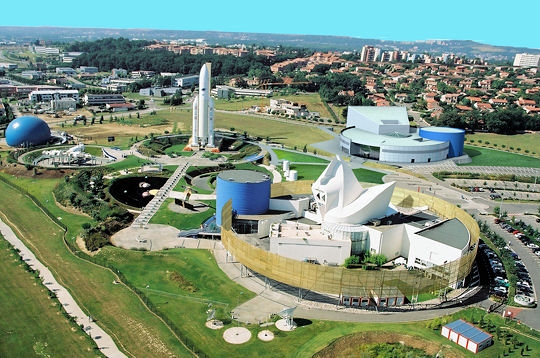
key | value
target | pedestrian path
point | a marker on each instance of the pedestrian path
(153, 206)
(103, 341)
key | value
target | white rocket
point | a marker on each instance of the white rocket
(203, 112)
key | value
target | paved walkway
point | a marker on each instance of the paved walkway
(153, 206)
(102, 339)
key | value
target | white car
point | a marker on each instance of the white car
(533, 246)
(500, 289)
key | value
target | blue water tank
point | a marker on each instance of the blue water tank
(248, 189)
(455, 136)
(27, 131)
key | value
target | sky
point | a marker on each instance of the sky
(492, 22)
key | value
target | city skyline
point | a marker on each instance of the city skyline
(395, 21)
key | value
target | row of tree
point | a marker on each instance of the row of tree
(503, 121)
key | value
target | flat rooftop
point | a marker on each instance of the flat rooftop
(243, 176)
(357, 135)
(449, 232)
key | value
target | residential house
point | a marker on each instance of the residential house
(451, 98)
(483, 106)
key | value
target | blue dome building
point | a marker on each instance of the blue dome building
(27, 131)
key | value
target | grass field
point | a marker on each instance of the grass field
(32, 323)
(297, 157)
(179, 120)
(492, 157)
(311, 100)
(526, 143)
(114, 306)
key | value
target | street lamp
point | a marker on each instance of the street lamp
(500, 207)
(238, 313)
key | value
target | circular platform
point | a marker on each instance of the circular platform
(265, 335)
(237, 335)
(283, 325)
(214, 324)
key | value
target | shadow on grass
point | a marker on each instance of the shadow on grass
(301, 322)
(472, 152)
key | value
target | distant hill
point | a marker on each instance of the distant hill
(470, 49)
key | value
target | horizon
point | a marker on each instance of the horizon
(423, 21)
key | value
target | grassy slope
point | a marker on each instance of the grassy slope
(492, 157)
(91, 286)
(525, 141)
(31, 321)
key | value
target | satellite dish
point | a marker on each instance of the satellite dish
(287, 315)
(210, 314)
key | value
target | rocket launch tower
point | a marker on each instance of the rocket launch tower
(203, 112)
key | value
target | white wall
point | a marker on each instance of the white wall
(421, 154)
(430, 251)
(392, 242)
(298, 207)
(325, 251)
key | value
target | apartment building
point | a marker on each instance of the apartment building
(48, 95)
(526, 60)
(90, 99)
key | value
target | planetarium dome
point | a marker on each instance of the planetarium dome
(27, 131)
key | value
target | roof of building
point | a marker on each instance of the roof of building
(450, 232)
(392, 139)
(243, 176)
(442, 129)
(382, 114)
(469, 331)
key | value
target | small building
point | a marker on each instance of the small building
(120, 107)
(68, 71)
(88, 69)
(187, 81)
(467, 335)
(91, 99)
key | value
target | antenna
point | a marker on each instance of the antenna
(287, 321)
(210, 314)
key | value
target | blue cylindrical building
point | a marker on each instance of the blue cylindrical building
(27, 131)
(455, 136)
(249, 191)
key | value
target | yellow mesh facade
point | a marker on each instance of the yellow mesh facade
(355, 282)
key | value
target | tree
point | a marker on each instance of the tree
(351, 260)
(140, 104)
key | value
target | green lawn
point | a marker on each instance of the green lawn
(313, 171)
(526, 143)
(32, 323)
(114, 306)
(179, 220)
(311, 100)
(492, 157)
(297, 157)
